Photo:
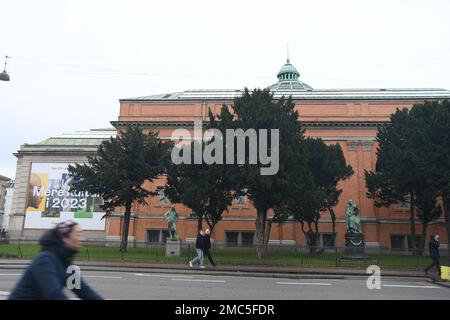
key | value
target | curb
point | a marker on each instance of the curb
(292, 274)
(441, 283)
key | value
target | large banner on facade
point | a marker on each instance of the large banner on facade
(50, 200)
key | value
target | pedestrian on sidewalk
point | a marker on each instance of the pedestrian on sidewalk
(199, 245)
(49, 271)
(207, 246)
(433, 247)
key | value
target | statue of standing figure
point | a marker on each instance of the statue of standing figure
(172, 217)
(354, 239)
(353, 221)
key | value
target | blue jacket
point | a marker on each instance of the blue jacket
(434, 249)
(47, 275)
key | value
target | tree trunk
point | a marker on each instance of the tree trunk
(424, 236)
(125, 228)
(261, 215)
(267, 236)
(447, 222)
(211, 227)
(309, 238)
(210, 223)
(313, 238)
(199, 224)
(333, 238)
(333, 221)
(311, 242)
(312, 249)
(412, 222)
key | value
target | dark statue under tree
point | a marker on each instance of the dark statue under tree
(354, 239)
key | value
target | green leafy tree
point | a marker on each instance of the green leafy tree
(395, 179)
(204, 188)
(307, 212)
(120, 170)
(414, 163)
(432, 142)
(428, 210)
(258, 110)
(328, 167)
(318, 190)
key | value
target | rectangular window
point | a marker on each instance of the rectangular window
(418, 241)
(397, 241)
(153, 236)
(157, 236)
(247, 239)
(231, 239)
(327, 240)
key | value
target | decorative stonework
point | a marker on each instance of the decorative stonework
(306, 124)
(353, 145)
(367, 145)
(365, 142)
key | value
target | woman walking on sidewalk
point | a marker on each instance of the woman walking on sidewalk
(199, 245)
(207, 246)
(434, 254)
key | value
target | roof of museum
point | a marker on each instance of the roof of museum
(93, 137)
(289, 85)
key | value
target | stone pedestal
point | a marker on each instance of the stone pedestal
(173, 247)
(354, 247)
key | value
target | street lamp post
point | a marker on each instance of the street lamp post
(4, 76)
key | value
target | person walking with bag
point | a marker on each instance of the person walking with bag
(207, 246)
(199, 245)
(433, 247)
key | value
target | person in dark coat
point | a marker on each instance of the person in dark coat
(207, 246)
(433, 247)
(199, 245)
(48, 272)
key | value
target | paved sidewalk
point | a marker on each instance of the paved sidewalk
(256, 270)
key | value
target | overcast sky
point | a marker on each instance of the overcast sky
(73, 60)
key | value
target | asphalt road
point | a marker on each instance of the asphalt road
(174, 286)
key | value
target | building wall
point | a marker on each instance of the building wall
(8, 203)
(3, 185)
(358, 145)
(357, 142)
(309, 110)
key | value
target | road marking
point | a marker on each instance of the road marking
(307, 283)
(104, 277)
(408, 286)
(199, 280)
(158, 275)
(10, 274)
(4, 293)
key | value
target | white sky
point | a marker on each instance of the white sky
(73, 60)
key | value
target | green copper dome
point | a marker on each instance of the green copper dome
(288, 72)
(288, 80)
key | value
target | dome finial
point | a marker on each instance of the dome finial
(4, 76)
(287, 45)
